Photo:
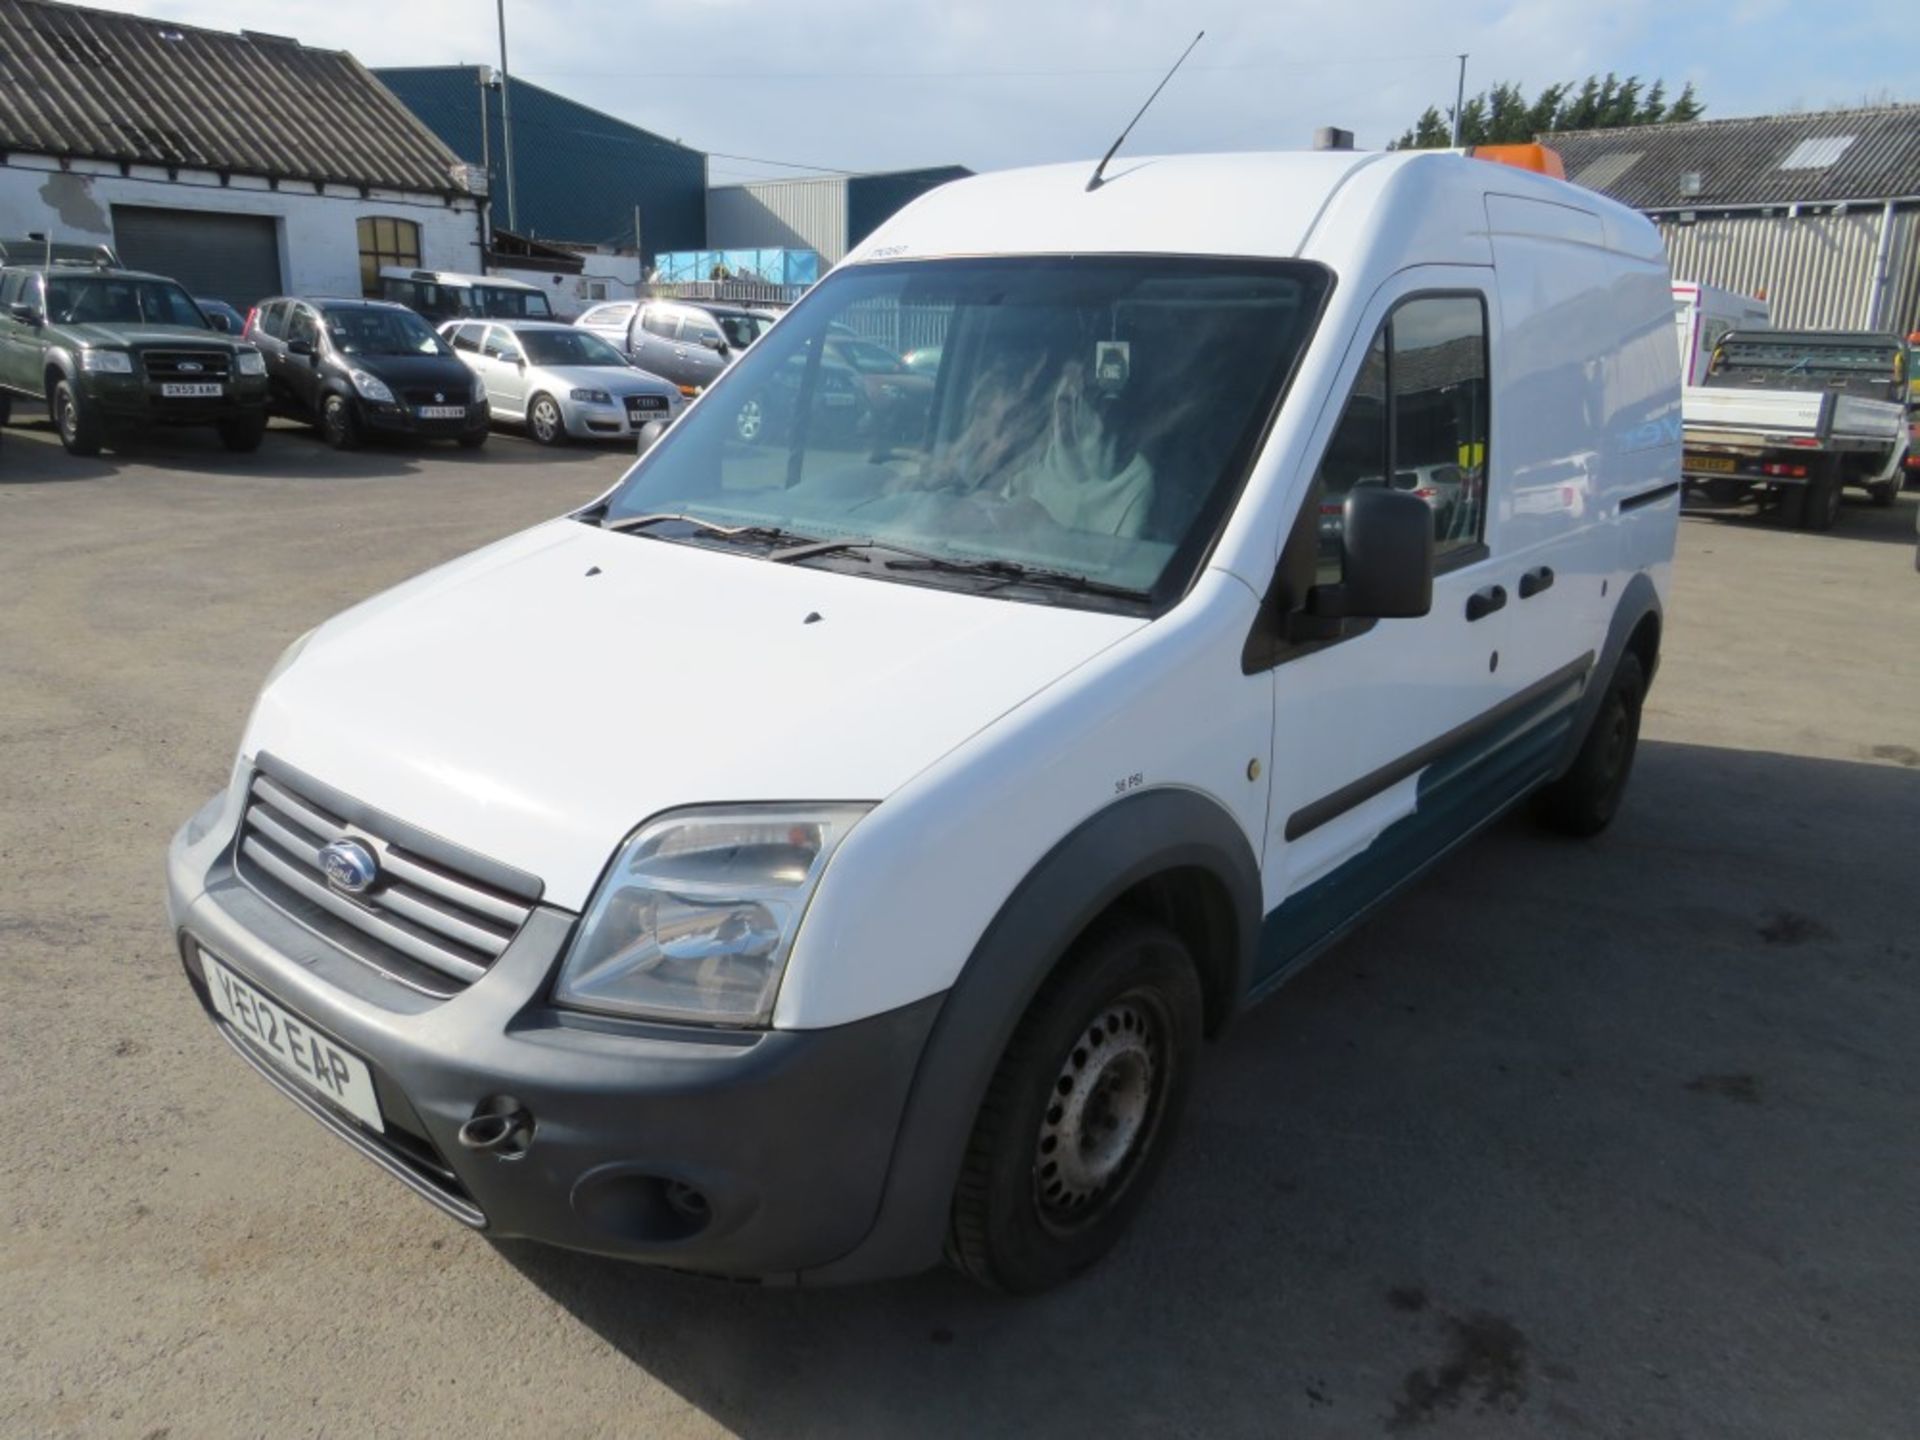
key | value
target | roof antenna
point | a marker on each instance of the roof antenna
(1096, 182)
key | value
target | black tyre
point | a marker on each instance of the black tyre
(6, 408)
(1886, 492)
(243, 436)
(339, 426)
(1583, 801)
(545, 423)
(75, 418)
(1081, 1112)
(1820, 503)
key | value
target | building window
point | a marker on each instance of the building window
(386, 241)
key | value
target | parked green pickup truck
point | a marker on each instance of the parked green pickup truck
(107, 348)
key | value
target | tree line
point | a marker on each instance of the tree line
(1503, 115)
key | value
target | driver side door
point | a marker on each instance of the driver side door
(505, 369)
(1382, 734)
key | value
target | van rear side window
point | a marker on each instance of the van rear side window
(1418, 419)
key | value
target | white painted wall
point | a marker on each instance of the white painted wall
(319, 243)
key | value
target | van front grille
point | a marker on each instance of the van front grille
(422, 921)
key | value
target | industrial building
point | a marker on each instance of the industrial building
(1817, 213)
(201, 154)
(581, 178)
(827, 214)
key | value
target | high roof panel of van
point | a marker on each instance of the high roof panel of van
(1350, 209)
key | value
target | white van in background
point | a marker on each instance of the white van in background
(829, 850)
(1704, 314)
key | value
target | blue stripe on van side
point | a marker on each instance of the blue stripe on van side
(1462, 790)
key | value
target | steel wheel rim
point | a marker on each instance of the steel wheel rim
(1102, 1111)
(69, 417)
(545, 422)
(335, 418)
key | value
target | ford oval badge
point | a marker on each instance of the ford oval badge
(349, 866)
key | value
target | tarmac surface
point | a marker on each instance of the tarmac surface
(1613, 1138)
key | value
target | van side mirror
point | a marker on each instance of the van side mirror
(300, 347)
(1386, 545)
(24, 313)
(220, 322)
(648, 436)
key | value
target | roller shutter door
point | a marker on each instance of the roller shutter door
(235, 258)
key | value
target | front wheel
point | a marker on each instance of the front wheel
(1583, 801)
(1081, 1112)
(79, 426)
(545, 423)
(339, 426)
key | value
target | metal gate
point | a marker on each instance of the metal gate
(235, 258)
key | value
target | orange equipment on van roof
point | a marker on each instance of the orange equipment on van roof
(1541, 158)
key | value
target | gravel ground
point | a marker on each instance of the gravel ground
(1605, 1139)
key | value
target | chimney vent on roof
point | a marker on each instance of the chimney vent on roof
(1692, 182)
(1332, 137)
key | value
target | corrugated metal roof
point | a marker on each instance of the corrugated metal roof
(1819, 158)
(88, 84)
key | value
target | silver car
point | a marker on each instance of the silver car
(559, 381)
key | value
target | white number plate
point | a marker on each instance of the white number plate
(294, 1047)
(193, 390)
(443, 412)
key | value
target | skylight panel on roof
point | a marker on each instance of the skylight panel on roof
(1608, 169)
(1817, 152)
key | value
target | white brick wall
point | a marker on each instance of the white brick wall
(319, 245)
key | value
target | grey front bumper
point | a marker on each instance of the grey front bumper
(786, 1136)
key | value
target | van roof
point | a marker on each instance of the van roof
(1332, 205)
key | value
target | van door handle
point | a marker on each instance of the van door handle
(1483, 603)
(1535, 580)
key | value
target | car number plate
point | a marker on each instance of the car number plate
(443, 412)
(1720, 463)
(192, 390)
(293, 1046)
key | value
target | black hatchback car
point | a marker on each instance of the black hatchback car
(360, 367)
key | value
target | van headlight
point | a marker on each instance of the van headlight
(697, 915)
(107, 362)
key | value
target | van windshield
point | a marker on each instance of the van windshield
(1092, 417)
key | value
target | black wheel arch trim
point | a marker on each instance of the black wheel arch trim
(1131, 841)
(1638, 601)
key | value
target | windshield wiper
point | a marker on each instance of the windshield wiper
(1012, 572)
(772, 533)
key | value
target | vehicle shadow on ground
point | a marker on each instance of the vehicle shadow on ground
(1860, 518)
(1508, 1121)
(30, 454)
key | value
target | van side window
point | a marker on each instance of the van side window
(10, 286)
(1438, 373)
(1417, 413)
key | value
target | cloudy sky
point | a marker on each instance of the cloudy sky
(882, 84)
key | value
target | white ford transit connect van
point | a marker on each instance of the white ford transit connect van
(829, 850)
